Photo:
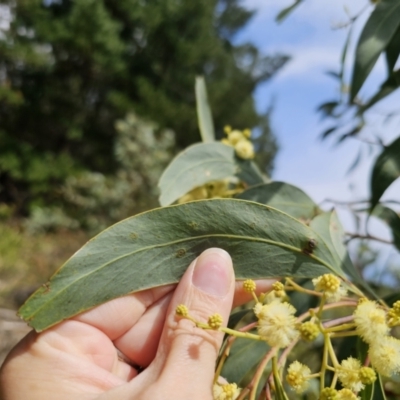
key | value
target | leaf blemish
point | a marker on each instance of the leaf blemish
(311, 245)
(193, 225)
(133, 235)
(180, 253)
(46, 287)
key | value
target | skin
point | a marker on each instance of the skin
(97, 354)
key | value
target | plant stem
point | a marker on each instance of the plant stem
(253, 385)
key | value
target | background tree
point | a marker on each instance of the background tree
(70, 69)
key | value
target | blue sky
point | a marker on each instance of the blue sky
(312, 37)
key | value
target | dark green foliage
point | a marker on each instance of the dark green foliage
(69, 69)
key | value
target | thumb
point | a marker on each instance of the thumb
(186, 355)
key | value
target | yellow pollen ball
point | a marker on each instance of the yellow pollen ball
(228, 391)
(249, 286)
(384, 354)
(297, 376)
(244, 149)
(346, 394)
(235, 136)
(367, 375)
(309, 331)
(227, 129)
(182, 310)
(278, 286)
(349, 374)
(215, 321)
(370, 321)
(247, 133)
(276, 323)
(328, 394)
(327, 283)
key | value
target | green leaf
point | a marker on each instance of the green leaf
(237, 317)
(204, 116)
(155, 248)
(249, 172)
(392, 51)
(376, 35)
(385, 170)
(330, 229)
(284, 197)
(286, 11)
(195, 166)
(392, 219)
(387, 87)
(245, 354)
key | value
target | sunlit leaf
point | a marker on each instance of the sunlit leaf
(284, 197)
(195, 166)
(376, 35)
(286, 11)
(155, 248)
(385, 170)
(392, 219)
(204, 116)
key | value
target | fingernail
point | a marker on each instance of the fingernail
(212, 272)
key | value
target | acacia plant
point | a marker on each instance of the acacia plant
(321, 332)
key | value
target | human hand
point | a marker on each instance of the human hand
(97, 354)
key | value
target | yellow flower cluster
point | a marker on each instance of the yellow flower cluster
(215, 321)
(298, 376)
(393, 315)
(276, 323)
(354, 377)
(182, 310)
(372, 326)
(240, 141)
(225, 391)
(214, 189)
(333, 394)
(309, 331)
(249, 286)
(331, 286)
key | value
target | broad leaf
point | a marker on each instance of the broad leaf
(155, 248)
(385, 170)
(284, 197)
(330, 229)
(204, 116)
(392, 219)
(376, 35)
(195, 166)
(245, 354)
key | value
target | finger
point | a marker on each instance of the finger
(117, 316)
(187, 354)
(139, 344)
